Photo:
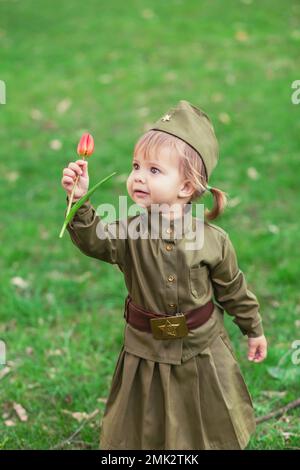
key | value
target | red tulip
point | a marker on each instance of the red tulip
(86, 145)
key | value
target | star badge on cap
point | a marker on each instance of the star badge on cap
(167, 117)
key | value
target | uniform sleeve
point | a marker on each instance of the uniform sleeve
(95, 238)
(231, 292)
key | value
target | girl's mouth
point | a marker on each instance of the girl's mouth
(140, 193)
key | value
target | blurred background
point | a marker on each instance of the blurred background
(111, 69)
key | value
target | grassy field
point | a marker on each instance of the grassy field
(112, 68)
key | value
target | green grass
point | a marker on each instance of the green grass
(123, 64)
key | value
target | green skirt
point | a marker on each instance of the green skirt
(202, 403)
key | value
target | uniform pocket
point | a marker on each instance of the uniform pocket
(198, 281)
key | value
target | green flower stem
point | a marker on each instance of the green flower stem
(81, 201)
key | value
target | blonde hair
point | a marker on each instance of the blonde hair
(191, 166)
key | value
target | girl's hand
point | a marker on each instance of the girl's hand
(257, 348)
(80, 167)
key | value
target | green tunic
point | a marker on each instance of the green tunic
(183, 393)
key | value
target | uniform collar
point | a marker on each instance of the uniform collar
(159, 225)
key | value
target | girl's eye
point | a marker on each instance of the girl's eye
(156, 170)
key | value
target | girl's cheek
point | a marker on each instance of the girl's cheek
(158, 180)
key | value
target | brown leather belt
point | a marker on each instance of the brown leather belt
(164, 326)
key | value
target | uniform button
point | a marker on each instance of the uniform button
(172, 305)
(169, 230)
(171, 278)
(169, 248)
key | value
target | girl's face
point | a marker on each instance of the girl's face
(159, 179)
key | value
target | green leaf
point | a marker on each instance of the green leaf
(81, 201)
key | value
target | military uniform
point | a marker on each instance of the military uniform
(183, 393)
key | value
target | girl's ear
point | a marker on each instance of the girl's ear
(186, 189)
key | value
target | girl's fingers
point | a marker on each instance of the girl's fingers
(251, 352)
(68, 180)
(84, 167)
(69, 172)
(75, 167)
(261, 354)
(258, 359)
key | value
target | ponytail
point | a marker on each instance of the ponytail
(220, 202)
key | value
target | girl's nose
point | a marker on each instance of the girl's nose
(139, 177)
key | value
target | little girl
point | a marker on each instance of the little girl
(177, 383)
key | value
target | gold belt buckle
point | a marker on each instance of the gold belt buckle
(169, 327)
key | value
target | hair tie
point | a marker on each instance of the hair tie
(209, 188)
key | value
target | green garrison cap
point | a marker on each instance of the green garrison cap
(192, 125)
